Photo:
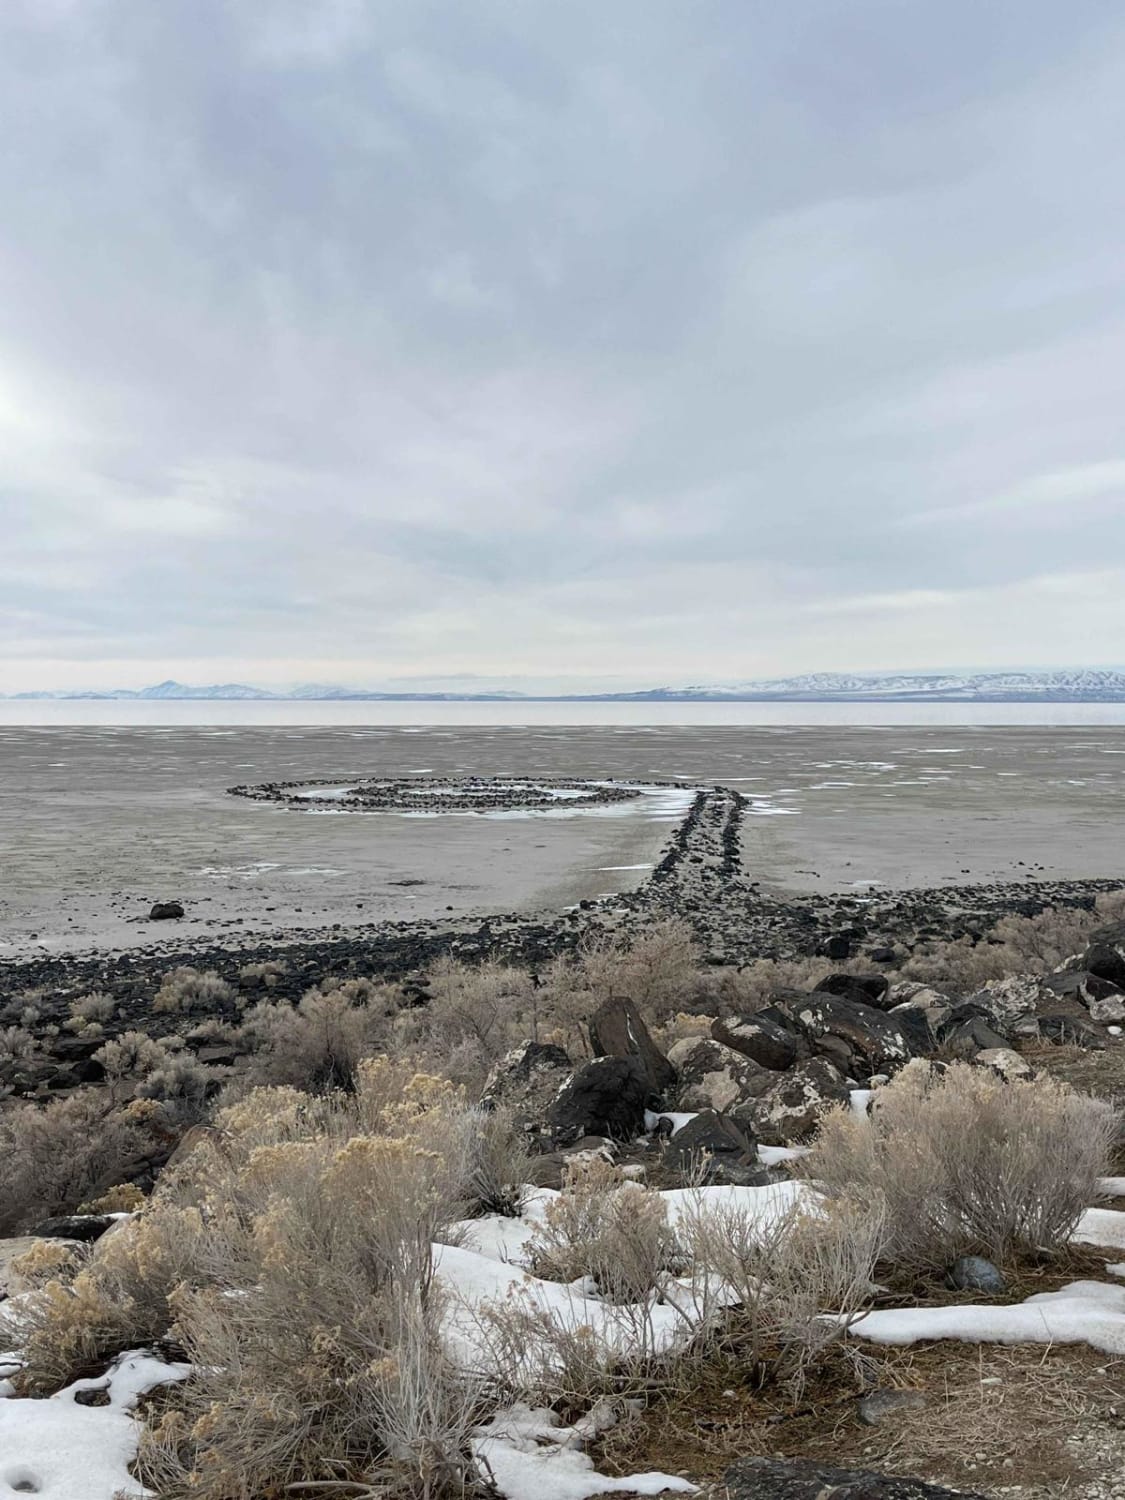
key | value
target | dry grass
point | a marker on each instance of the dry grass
(993, 1416)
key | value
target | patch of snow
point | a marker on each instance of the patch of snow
(678, 1118)
(1085, 1312)
(531, 1457)
(60, 1450)
(1101, 1226)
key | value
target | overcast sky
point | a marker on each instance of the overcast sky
(642, 339)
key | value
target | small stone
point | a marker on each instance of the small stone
(972, 1273)
(878, 1405)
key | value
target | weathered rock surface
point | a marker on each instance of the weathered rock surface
(712, 1076)
(527, 1080)
(801, 1479)
(83, 1227)
(790, 1108)
(1005, 1061)
(617, 1030)
(875, 1040)
(759, 1038)
(972, 1273)
(717, 1141)
(604, 1097)
(864, 989)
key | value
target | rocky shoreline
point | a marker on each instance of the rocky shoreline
(700, 878)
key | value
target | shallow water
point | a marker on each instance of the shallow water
(96, 823)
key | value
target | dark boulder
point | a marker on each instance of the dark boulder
(968, 1037)
(837, 947)
(715, 1139)
(759, 1038)
(165, 911)
(604, 1097)
(617, 1030)
(1071, 1031)
(1103, 999)
(802, 1479)
(1105, 956)
(915, 1024)
(875, 1039)
(863, 989)
(83, 1227)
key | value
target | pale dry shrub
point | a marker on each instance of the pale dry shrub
(968, 1163)
(607, 1228)
(659, 972)
(46, 1260)
(122, 1198)
(188, 989)
(1110, 905)
(54, 1157)
(1014, 945)
(313, 1321)
(474, 1014)
(266, 974)
(317, 1044)
(498, 1165)
(118, 1300)
(128, 1059)
(792, 1282)
(95, 1006)
(17, 1047)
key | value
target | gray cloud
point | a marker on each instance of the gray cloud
(363, 340)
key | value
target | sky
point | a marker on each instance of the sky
(559, 344)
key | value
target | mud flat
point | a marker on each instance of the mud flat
(916, 827)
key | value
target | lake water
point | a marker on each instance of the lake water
(156, 713)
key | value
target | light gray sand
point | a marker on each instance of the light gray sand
(96, 823)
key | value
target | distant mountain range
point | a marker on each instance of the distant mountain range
(1080, 685)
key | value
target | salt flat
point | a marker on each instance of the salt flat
(98, 822)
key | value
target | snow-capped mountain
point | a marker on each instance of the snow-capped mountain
(1071, 685)
(1092, 685)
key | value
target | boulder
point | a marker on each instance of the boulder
(714, 1138)
(965, 1038)
(791, 1108)
(803, 1479)
(712, 1076)
(1010, 999)
(864, 989)
(526, 1080)
(83, 1227)
(936, 1006)
(1071, 1031)
(604, 1097)
(916, 1027)
(1102, 998)
(165, 911)
(838, 947)
(874, 1038)
(617, 1030)
(759, 1038)
(1105, 956)
(1003, 1060)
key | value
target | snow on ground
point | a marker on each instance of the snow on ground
(60, 1450)
(532, 1457)
(1112, 1187)
(487, 1268)
(1101, 1226)
(1085, 1312)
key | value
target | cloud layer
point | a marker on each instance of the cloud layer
(662, 342)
